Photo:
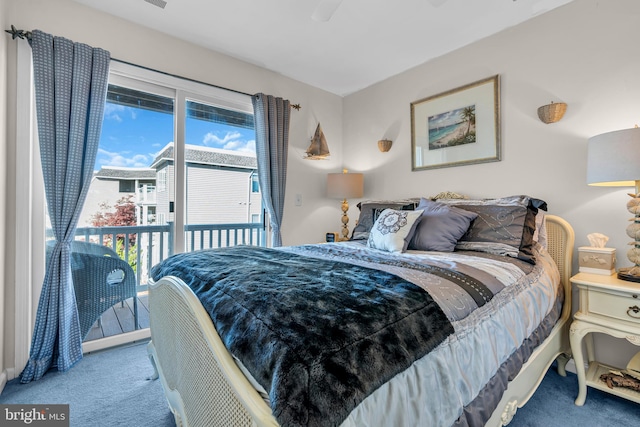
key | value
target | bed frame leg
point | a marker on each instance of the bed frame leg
(150, 353)
(562, 360)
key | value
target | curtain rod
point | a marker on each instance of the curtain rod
(26, 35)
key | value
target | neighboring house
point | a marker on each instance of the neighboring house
(221, 188)
(111, 184)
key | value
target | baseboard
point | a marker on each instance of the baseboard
(116, 340)
(571, 366)
(3, 380)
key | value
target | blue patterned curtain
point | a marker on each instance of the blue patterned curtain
(272, 140)
(71, 87)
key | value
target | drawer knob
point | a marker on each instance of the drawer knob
(633, 312)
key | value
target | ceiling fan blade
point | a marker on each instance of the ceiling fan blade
(325, 9)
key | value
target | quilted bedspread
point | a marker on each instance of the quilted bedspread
(320, 334)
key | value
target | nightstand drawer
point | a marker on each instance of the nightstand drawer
(616, 306)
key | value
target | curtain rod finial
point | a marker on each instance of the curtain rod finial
(21, 34)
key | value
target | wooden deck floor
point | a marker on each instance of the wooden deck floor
(119, 318)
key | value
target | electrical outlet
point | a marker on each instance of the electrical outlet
(298, 200)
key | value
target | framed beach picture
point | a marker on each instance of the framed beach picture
(457, 127)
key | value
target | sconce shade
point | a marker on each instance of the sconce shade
(345, 185)
(552, 113)
(384, 145)
(613, 158)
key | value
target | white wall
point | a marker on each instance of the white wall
(582, 54)
(3, 185)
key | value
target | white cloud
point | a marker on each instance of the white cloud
(107, 158)
(232, 140)
(241, 146)
(212, 139)
(116, 112)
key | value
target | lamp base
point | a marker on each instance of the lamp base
(625, 274)
(345, 220)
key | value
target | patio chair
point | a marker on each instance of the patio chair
(101, 279)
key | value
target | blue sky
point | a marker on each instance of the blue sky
(131, 137)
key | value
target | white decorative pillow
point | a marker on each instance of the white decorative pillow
(393, 229)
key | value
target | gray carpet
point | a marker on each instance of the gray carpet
(106, 388)
(110, 388)
(552, 405)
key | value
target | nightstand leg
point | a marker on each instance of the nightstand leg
(591, 354)
(575, 338)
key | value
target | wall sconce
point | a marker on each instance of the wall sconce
(552, 113)
(384, 145)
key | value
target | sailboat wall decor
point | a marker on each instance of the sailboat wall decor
(318, 150)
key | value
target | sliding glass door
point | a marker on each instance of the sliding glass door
(176, 171)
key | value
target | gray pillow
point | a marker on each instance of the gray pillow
(440, 227)
(504, 226)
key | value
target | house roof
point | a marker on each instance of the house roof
(207, 156)
(111, 172)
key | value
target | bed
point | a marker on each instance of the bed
(455, 380)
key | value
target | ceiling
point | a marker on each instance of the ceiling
(364, 41)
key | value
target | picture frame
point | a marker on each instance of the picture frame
(457, 127)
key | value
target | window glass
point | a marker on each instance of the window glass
(136, 125)
(220, 166)
(127, 186)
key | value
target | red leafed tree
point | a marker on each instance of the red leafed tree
(123, 213)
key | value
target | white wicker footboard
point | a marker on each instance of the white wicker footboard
(188, 355)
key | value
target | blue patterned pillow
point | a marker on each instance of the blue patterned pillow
(393, 230)
(440, 227)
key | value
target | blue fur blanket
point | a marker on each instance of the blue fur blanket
(319, 335)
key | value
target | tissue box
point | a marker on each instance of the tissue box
(597, 260)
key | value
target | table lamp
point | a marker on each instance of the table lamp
(613, 160)
(345, 186)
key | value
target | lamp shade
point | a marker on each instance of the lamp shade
(345, 185)
(613, 158)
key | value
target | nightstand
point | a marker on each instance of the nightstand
(609, 306)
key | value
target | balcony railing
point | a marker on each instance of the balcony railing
(146, 195)
(147, 245)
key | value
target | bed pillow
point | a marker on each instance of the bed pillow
(393, 229)
(440, 227)
(540, 235)
(504, 226)
(370, 210)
